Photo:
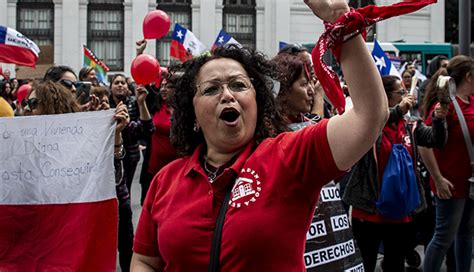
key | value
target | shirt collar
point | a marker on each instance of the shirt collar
(194, 164)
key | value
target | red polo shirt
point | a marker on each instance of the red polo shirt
(453, 159)
(271, 206)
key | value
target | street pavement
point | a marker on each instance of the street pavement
(136, 209)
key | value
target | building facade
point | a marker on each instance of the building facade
(111, 27)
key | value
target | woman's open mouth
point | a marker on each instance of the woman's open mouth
(229, 116)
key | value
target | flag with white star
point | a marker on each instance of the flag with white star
(383, 62)
(224, 38)
(184, 44)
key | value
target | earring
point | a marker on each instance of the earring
(196, 127)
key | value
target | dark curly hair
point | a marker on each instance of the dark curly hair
(269, 121)
(54, 97)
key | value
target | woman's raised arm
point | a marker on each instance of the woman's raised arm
(352, 134)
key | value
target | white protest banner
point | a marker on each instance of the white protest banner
(67, 153)
(57, 193)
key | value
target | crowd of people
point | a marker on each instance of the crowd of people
(238, 147)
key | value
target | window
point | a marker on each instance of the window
(35, 20)
(239, 21)
(179, 12)
(105, 22)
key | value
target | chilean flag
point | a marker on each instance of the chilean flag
(57, 214)
(224, 38)
(184, 45)
(383, 62)
(16, 48)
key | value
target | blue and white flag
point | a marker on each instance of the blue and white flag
(382, 61)
(224, 38)
(282, 45)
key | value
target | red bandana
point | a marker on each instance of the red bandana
(332, 38)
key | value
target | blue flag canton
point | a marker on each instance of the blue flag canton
(282, 45)
(222, 38)
(382, 62)
(179, 33)
(3, 34)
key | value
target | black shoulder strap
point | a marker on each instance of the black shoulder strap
(216, 241)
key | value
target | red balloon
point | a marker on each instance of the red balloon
(145, 69)
(22, 92)
(156, 24)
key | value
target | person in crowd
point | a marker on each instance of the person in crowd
(296, 94)
(64, 75)
(49, 98)
(227, 127)
(88, 73)
(141, 123)
(319, 108)
(450, 169)
(6, 93)
(14, 85)
(407, 76)
(52, 98)
(5, 75)
(296, 98)
(21, 94)
(365, 182)
(440, 61)
(159, 151)
(102, 95)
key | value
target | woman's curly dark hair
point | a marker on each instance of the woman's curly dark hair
(269, 120)
(54, 97)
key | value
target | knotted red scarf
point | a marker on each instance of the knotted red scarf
(332, 38)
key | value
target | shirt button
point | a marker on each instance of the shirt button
(210, 192)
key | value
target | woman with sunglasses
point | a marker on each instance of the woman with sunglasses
(365, 180)
(49, 98)
(64, 75)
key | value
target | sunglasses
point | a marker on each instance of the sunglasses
(68, 83)
(401, 92)
(32, 103)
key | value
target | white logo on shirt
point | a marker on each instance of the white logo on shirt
(246, 189)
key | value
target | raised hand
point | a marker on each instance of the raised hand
(141, 94)
(121, 116)
(441, 110)
(407, 103)
(140, 46)
(328, 10)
